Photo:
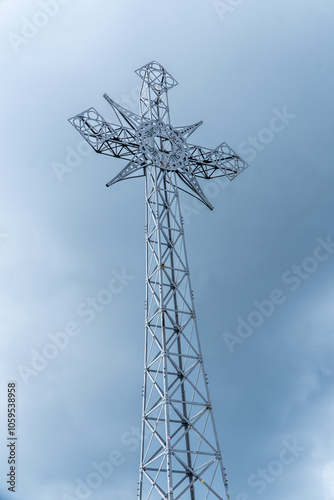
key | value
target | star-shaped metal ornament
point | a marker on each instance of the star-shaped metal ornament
(150, 139)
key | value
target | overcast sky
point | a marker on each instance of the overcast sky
(260, 76)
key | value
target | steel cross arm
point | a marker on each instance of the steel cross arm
(104, 137)
(219, 162)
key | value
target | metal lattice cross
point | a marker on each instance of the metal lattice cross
(180, 453)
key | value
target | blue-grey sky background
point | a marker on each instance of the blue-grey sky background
(63, 236)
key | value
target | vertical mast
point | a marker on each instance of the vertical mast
(180, 451)
(153, 96)
(179, 441)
